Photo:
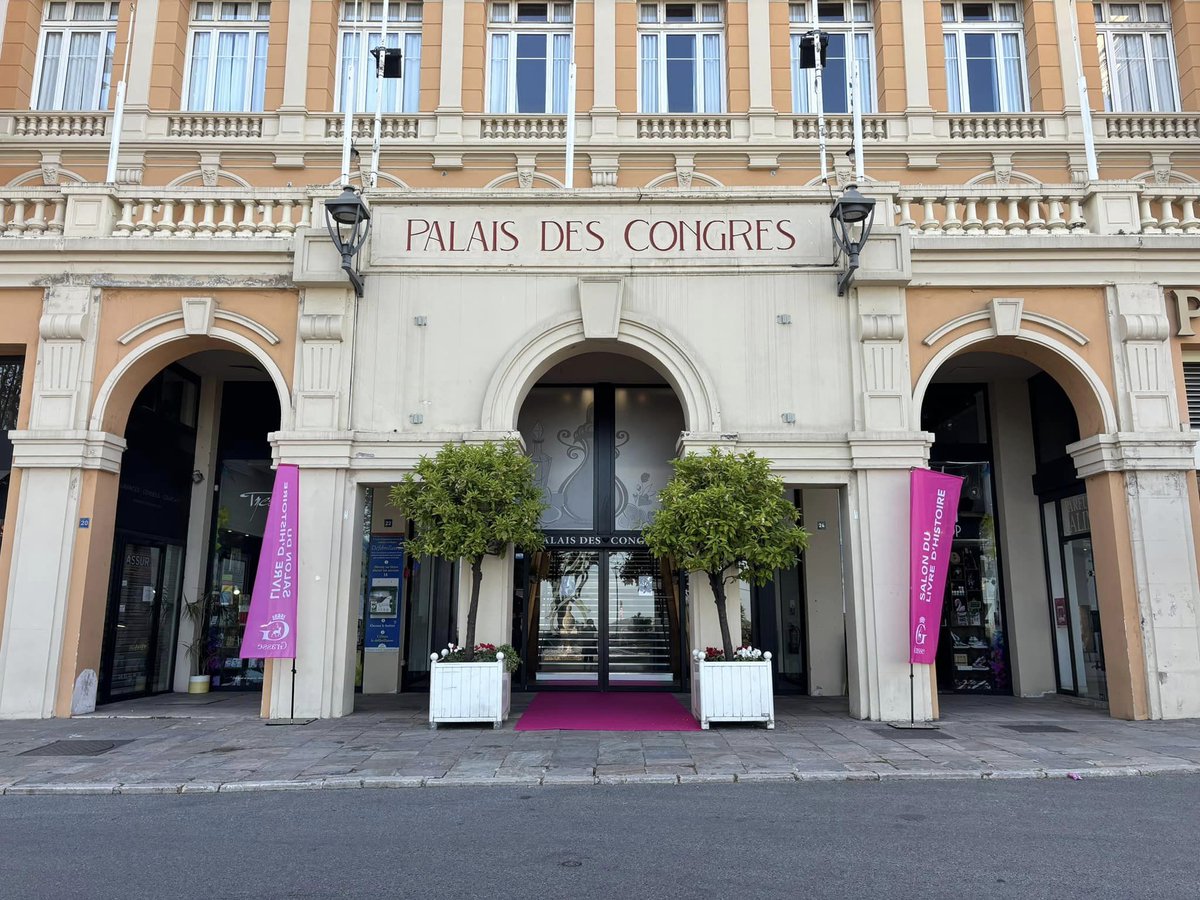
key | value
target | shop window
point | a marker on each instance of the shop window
(529, 57)
(1137, 57)
(227, 56)
(847, 24)
(361, 33)
(12, 370)
(985, 57)
(681, 58)
(75, 55)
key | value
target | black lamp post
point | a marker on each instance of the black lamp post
(851, 219)
(349, 223)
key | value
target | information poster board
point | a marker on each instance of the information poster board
(385, 592)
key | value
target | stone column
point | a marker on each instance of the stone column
(762, 108)
(141, 60)
(919, 109)
(295, 69)
(449, 109)
(604, 108)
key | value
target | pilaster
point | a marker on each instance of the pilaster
(493, 624)
(295, 69)
(449, 108)
(323, 359)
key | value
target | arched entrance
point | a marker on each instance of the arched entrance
(191, 505)
(1022, 612)
(599, 611)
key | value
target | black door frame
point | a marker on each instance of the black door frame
(121, 540)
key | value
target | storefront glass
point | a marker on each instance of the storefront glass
(12, 369)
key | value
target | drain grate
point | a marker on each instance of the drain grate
(904, 734)
(73, 748)
(1039, 729)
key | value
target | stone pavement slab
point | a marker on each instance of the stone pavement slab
(220, 745)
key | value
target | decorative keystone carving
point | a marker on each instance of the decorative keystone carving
(321, 327)
(526, 166)
(198, 314)
(882, 327)
(51, 165)
(1144, 327)
(685, 167)
(600, 306)
(1006, 314)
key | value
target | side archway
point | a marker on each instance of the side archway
(554, 340)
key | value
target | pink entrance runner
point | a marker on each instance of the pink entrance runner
(594, 711)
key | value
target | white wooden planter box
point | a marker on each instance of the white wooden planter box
(468, 692)
(732, 691)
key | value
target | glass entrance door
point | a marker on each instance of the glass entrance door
(142, 618)
(604, 619)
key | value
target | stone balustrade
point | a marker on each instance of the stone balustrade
(1170, 209)
(60, 124)
(1148, 126)
(207, 212)
(523, 128)
(994, 210)
(684, 128)
(997, 127)
(391, 127)
(215, 125)
(29, 212)
(839, 129)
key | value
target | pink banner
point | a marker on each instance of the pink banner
(933, 512)
(271, 620)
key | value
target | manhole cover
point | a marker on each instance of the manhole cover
(73, 748)
(904, 734)
(1039, 729)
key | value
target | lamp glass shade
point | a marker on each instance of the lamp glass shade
(347, 208)
(852, 207)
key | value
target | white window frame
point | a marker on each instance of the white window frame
(997, 27)
(1107, 31)
(404, 30)
(803, 79)
(502, 20)
(216, 26)
(68, 26)
(702, 103)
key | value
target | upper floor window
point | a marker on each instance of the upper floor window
(227, 56)
(529, 57)
(1137, 57)
(681, 58)
(75, 54)
(985, 57)
(834, 20)
(361, 31)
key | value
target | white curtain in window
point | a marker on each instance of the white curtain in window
(866, 84)
(412, 73)
(51, 50)
(713, 95)
(800, 102)
(349, 52)
(953, 89)
(258, 86)
(229, 78)
(1133, 79)
(649, 53)
(560, 74)
(198, 76)
(1013, 99)
(82, 59)
(498, 93)
(1164, 78)
(106, 72)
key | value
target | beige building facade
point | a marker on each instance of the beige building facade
(169, 336)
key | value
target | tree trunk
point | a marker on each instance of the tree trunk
(717, 582)
(473, 610)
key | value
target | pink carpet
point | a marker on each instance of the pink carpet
(594, 711)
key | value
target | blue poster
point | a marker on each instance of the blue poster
(385, 592)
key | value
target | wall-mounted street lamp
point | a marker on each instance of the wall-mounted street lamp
(851, 219)
(349, 223)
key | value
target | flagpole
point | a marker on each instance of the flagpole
(379, 97)
(820, 87)
(348, 98)
(114, 144)
(855, 101)
(569, 175)
(1085, 109)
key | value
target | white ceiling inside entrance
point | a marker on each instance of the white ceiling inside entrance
(225, 365)
(592, 368)
(985, 367)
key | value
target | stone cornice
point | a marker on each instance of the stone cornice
(1127, 451)
(67, 450)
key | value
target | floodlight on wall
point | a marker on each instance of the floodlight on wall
(851, 219)
(349, 223)
(389, 61)
(809, 42)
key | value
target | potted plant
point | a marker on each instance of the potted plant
(471, 691)
(471, 501)
(196, 613)
(725, 514)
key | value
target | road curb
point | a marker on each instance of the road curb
(375, 782)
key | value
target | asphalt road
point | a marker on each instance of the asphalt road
(1099, 838)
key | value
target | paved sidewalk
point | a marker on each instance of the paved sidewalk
(177, 743)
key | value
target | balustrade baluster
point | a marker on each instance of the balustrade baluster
(267, 225)
(58, 217)
(1190, 224)
(187, 223)
(972, 223)
(1166, 220)
(246, 227)
(145, 225)
(1057, 224)
(952, 224)
(226, 227)
(1036, 224)
(1014, 224)
(16, 226)
(37, 222)
(166, 220)
(1149, 223)
(906, 219)
(124, 226)
(930, 222)
(993, 224)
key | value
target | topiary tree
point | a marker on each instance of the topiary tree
(469, 501)
(726, 511)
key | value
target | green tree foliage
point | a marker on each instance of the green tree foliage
(726, 515)
(469, 501)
